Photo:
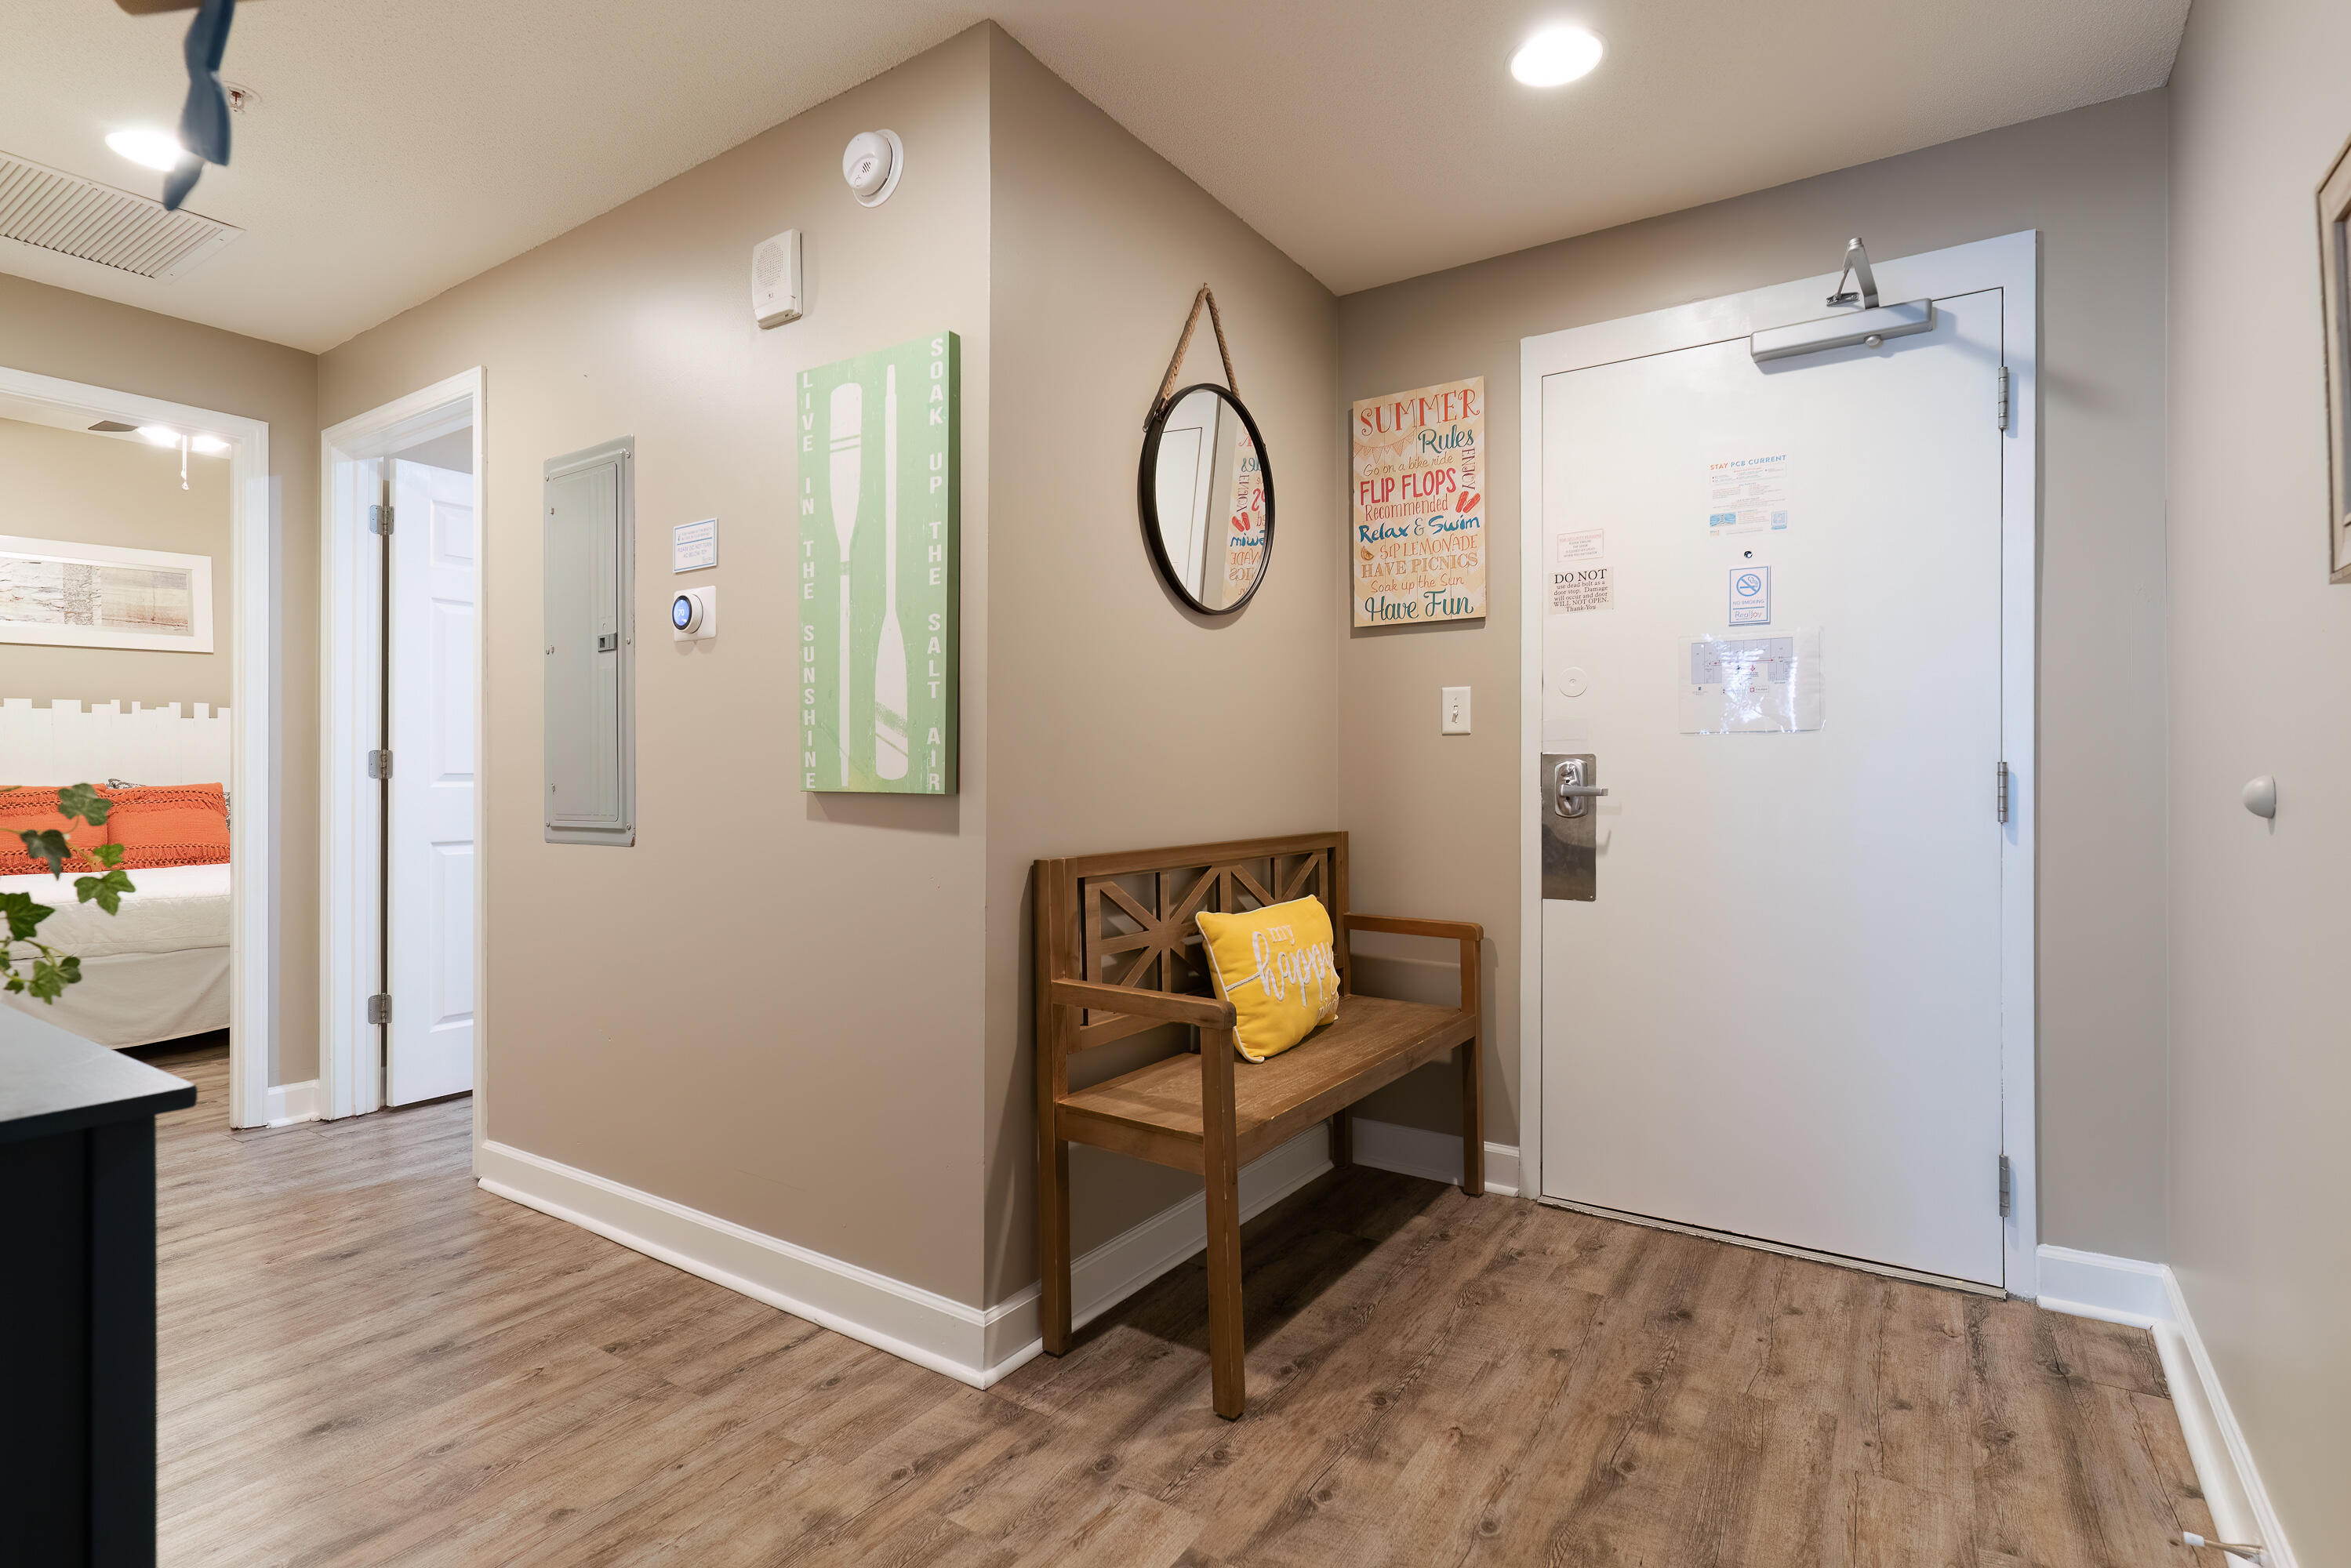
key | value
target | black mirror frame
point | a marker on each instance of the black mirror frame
(1146, 495)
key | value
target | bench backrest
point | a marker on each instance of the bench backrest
(1126, 919)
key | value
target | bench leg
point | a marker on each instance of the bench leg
(1227, 1378)
(1053, 1243)
(1342, 1138)
(1473, 1120)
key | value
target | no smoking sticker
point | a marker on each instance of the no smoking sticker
(1750, 596)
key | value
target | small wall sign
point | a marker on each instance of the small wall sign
(694, 546)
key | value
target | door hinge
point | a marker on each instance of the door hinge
(2003, 398)
(380, 520)
(379, 764)
(2004, 1186)
(379, 1011)
(2000, 792)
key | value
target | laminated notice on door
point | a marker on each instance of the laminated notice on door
(1732, 683)
(1746, 492)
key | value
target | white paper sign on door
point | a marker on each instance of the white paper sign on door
(1747, 492)
(1582, 587)
(1732, 683)
(1568, 550)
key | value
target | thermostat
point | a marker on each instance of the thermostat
(694, 613)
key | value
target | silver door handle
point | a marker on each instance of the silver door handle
(1570, 793)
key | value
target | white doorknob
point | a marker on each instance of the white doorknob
(2261, 797)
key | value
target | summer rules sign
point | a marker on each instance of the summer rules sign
(1419, 544)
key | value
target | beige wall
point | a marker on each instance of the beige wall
(767, 1008)
(55, 332)
(1120, 719)
(101, 490)
(2261, 921)
(2092, 181)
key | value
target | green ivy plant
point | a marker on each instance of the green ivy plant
(40, 969)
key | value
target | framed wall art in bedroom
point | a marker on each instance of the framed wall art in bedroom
(65, 594)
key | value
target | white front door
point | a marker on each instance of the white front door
(1779, 1016)
(429, 827)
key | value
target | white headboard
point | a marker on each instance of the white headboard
(62, 744)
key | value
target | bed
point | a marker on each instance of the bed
(158, 968)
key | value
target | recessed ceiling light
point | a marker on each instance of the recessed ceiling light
(149, 149)
(160, 434)
(1556, 54)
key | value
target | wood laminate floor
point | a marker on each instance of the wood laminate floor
(368, 1359)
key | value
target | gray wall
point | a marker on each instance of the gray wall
(1123, 720)
(2093, 183)
(769, 1008)
(2260, 920)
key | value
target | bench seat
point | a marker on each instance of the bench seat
(1373, 1042)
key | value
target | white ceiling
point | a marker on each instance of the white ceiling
(399, 149)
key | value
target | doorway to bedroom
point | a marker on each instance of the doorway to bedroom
(137, 612)
(401, 679)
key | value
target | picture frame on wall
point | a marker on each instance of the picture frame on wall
(64, 593)
(2335, 281)
(878, 440)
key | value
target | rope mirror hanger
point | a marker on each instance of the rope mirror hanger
(1205, 489)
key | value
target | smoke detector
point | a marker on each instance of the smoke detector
(872, 164)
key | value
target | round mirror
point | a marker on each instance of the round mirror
(1206, 497)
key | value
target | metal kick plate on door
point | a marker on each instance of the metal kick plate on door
(1562, 789)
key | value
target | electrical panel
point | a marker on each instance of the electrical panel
(589, 645)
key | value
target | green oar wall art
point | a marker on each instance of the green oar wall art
(878, 449)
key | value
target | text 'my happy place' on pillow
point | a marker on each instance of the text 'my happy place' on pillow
(1274, 965)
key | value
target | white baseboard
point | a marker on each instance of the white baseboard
(290, 1102)
(1413, 1151)
(2093, 1285)
(971, 1344)
(2126, 1290)
(1114, 1270)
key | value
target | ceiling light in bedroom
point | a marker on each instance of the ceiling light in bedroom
(207, 444)
(150, 149)
(160, 434)
(1555, 56)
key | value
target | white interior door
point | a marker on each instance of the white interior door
(1779, 1014)
(429, 828)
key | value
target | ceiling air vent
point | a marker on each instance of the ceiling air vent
(73, 216)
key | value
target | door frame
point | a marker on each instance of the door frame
(351, 1064)
(253, 683)
(2011, 263)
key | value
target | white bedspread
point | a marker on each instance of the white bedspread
(176, 907)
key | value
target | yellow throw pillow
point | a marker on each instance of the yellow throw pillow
(1274, 966)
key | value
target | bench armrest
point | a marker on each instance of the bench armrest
(1208, 1012)
(1468, 933)
(1449, 930)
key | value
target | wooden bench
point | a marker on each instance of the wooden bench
(1117, 953)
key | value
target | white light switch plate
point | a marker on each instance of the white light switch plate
(1454, 717)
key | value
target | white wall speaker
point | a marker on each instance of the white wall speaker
(776, 280)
